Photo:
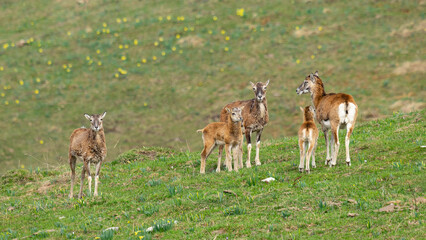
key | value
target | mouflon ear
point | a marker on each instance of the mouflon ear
(228, 110)
(267, 82)
(103, 115)
(301, 109)
(316, 73)
(311, 76)
(88, 116)
(253, 85)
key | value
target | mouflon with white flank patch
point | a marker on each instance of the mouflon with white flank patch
(89, 146)
(255, 115)
(308, 137)
(228, 134)
(333, 111)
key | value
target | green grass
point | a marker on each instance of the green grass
(163, 196)
(355, 45)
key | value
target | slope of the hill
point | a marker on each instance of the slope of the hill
(162, 69)
(382, 195)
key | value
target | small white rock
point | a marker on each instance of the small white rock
(268, 180)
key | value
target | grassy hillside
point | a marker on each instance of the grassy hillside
(159, 187)
(165, 68)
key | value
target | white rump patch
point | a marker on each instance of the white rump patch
(351, 112)
(348, 117)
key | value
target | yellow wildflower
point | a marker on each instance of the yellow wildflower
(222, 32)
(68, 70)
(210, 32)
(137, 20)
(320, 28)
(312, 56)
(155, 43)
(118, 20)
(36, 91)
(69, 33)
(227, 38)
(123, 58)
(2, 94)
(181, 51)
(40, 50)
(214, 18)
(319, 46)
(99, 63)
(6, 102)
(98, 32)
(185, 29)
(21, 82)
(173, 48)
(160, 39)
(177, 36)
(169, 18)
(240, 12)
(115, 34)
(38, 80)
(182, 18)
(98, 51)
(226, 49)
(143, 60)
(160, 18)
(69, 65)
(17, 101)
(126, 46)
(135, 42)
(163, 53)
(49, 62)
(145, 104)
(87, 58)
(120, 46)
(22, 166)
(297, 28)
(1, 68)
(116, 75)
(297, 61)
(262, 29)
(222, 69)
(191, 29)
(154, 58)
(124, 19)
(104, 25)
(138, 64)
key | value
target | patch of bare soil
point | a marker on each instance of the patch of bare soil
(410, 67)
(192, 41)
(407, 29)
(407, 106)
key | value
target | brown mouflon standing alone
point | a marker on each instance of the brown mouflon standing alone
(224, 133)
(333, 111)
(89, 146)
(255, 115)
(308, 136)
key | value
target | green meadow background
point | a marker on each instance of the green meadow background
(162, 69)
